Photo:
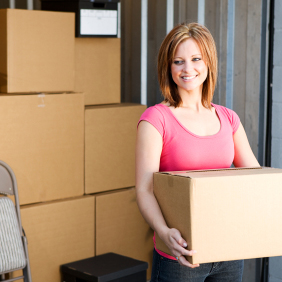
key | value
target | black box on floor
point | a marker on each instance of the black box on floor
(109, 267)
(93, 18)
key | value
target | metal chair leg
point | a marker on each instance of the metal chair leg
(26, 270)
(25, 275)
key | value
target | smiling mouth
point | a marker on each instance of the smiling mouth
(188, 78)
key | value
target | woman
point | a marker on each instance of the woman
(187, 132)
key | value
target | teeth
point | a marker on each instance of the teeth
(188, 77)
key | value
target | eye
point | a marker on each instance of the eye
(196, 59)
(178, 62)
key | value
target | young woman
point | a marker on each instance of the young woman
(187, 132)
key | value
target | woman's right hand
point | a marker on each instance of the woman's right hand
(177, 246)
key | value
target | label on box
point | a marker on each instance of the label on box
(98, 22)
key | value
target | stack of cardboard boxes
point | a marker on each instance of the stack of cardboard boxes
(69, 141)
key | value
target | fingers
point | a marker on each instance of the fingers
(182, 242)
(179, 244)
(179, 250)
(177, 237)
(182, 251)
(182, 261)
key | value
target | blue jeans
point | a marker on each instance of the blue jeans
(167, 270)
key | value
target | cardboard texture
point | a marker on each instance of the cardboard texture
(42, 140)
(110, 133)
(97, 69)
(58, 232)
(121, 229)
(36, 51)
(224, 215)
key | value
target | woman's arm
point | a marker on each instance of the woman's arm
(244, 156)
(148, 152)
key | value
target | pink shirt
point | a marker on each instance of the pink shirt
(184, 150)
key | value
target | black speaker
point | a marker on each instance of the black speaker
(108, 267)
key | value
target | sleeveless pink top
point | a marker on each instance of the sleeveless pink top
(184, 150)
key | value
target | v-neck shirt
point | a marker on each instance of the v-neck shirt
(184, 150)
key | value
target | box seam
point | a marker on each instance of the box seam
(191, 207)
(7, 50)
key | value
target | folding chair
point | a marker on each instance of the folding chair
(13, 242)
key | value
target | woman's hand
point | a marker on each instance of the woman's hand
(177, 246)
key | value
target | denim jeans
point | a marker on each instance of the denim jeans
(167, 270)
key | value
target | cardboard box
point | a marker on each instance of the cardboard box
(42, 140)
(97, 69)
(58, 232)
(224, 215)
(121, 229)
(110, 133)
(36, 51)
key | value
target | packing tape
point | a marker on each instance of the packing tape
(42, 96)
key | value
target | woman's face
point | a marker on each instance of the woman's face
(188, 69)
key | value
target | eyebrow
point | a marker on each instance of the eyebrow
(191, 56)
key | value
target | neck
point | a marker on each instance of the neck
(191, 99)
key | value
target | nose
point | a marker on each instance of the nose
(187, 66)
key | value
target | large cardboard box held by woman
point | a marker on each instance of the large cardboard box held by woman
(224, 215)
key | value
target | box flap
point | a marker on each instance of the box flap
(222, 172)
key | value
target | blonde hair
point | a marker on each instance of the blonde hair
(206, 43)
